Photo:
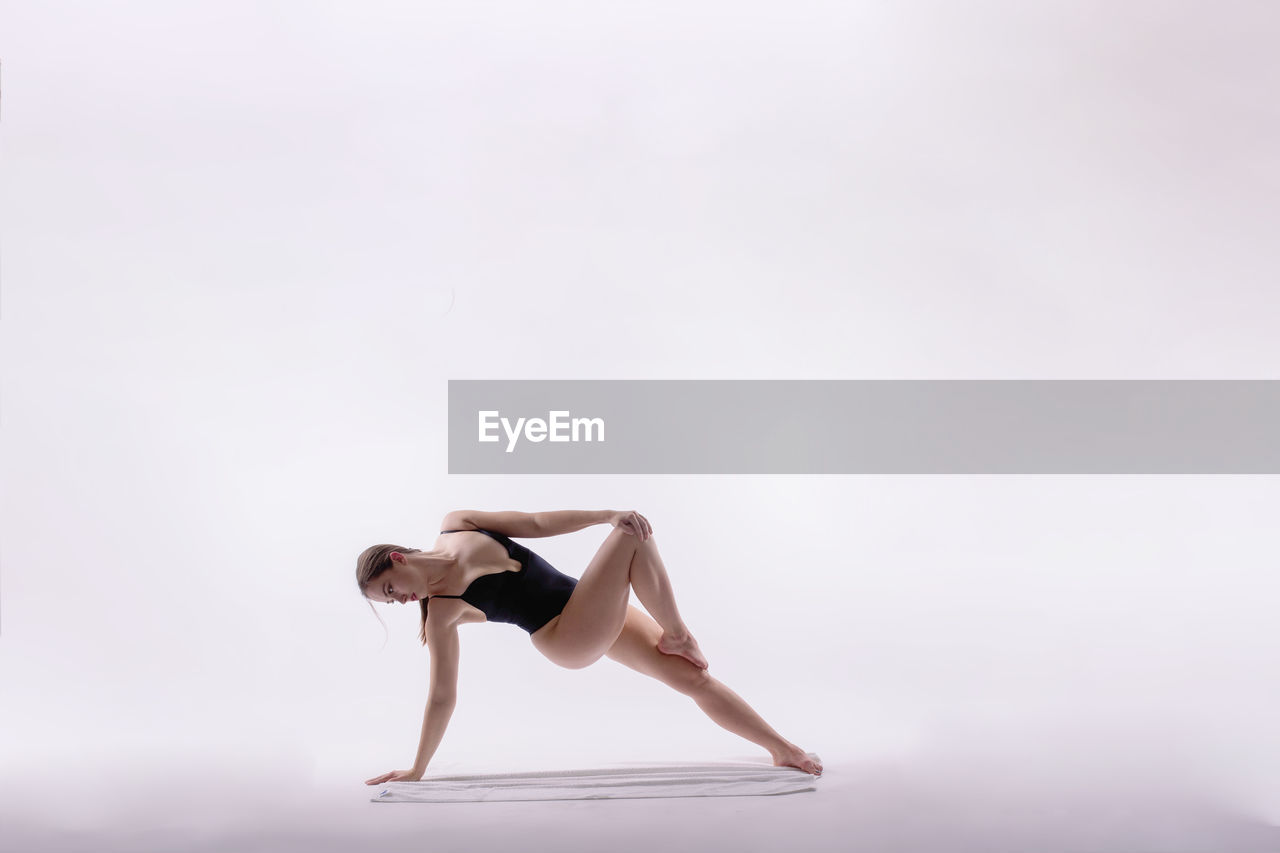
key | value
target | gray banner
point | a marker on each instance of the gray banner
(864, 426)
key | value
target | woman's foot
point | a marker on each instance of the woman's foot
(794, 756)
(683, 645)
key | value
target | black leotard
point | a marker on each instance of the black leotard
(530, 598)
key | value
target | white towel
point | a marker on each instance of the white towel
(629, 781)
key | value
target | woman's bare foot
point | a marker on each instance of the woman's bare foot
(685, 646)
(794, 756)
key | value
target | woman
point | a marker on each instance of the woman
(475, 573)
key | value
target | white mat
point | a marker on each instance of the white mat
(631, 781)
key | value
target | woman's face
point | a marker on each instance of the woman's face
(398, 583)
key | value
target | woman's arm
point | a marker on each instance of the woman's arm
(570, 520)
(434, 722)
(528, 525)
(442, 637)
(442, 697)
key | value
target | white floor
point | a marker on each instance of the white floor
(859, 805)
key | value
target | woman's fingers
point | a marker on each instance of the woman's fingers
(636, 524)
(642, 526)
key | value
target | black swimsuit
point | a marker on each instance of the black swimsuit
(530, 598)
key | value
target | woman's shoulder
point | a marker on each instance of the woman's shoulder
(458, 519)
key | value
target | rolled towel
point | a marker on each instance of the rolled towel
(618, 782)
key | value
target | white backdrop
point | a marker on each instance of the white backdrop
(245, 245)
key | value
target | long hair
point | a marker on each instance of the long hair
(371, 563)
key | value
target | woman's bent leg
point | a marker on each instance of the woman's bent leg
(653, 588)
(595, 612)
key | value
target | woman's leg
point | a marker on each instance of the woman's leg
(597, 608)
(653, 588)
(636, 647)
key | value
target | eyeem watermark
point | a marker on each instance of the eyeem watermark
(558, 427)
(856, 426)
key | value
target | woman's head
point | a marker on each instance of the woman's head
(385, 574)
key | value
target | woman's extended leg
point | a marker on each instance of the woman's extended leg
(596, 611)
(636, 647)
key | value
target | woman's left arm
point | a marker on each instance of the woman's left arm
(529, 525)
(569, 520)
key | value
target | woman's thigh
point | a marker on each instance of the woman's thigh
(597, 607)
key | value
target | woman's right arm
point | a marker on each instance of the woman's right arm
(434, 722)
(442, 640)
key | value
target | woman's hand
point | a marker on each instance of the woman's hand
(633, 523)
(396, 776)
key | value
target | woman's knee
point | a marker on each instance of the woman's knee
(681, 675)
(696, 682)
(622, 539)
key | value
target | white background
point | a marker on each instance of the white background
(246, 244)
